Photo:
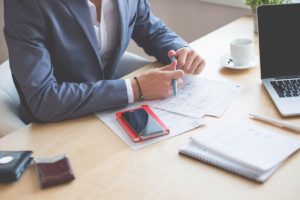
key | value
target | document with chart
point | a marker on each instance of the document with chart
(177, 124)
(184, 112)
(200, 97)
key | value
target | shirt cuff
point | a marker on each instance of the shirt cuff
(129, 91)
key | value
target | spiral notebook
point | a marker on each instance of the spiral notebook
(192, 150)
(247, 150)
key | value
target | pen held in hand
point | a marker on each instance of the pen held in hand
(174, 81)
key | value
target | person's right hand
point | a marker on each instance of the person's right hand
(157, 83)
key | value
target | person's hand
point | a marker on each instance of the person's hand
(188, 60)
(157, 83)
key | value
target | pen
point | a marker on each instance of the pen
(276, 122)
(174, 81)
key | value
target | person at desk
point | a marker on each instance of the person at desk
(64, 55)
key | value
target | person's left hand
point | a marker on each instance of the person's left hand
(188, 60)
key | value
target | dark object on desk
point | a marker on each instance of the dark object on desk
(141, 123)
(280, 71)
(13, 164)
(54, 171)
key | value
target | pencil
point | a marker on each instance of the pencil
(276, 122)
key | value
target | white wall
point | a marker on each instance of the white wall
(192, 19)
(235, 3)
(189, 18)
(3, 51)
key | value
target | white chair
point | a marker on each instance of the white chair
(129, 63)
(9, 102)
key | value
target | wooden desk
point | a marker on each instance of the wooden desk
(106, 168)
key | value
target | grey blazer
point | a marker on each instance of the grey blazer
(54, 55)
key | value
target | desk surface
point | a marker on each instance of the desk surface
(106, 168)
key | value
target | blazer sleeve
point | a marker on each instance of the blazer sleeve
(153, 35)
(26, 36)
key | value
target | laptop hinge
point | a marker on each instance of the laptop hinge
(287, 77)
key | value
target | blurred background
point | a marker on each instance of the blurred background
(191, 19)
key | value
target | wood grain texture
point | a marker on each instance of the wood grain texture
(105, 168)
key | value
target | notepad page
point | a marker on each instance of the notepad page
(252, 146)
(194, 151)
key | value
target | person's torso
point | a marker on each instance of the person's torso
(107, 30)
(72, 42)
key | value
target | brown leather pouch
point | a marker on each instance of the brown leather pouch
(54, 171)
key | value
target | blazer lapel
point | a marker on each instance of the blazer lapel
(80, 10)
(122, 6)
(123, 18)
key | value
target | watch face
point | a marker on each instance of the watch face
(6, 160)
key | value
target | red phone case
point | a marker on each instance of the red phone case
(131, 133)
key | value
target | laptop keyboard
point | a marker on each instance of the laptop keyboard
(287, 88)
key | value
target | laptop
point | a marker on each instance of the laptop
(279, 46)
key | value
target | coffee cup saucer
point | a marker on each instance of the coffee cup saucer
(226, 61)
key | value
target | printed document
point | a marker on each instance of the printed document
(176, 123)
(200, 97)
(184, 112)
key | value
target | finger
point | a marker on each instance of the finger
(181, 57)
(180, 83)
(176, 74)
(200, 67)
(172, 53)
(170, 92)
(190, 59)
(195, 65)
(170, 67)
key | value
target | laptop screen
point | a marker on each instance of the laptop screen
(279, 40)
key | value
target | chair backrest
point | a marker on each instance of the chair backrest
(9, 102)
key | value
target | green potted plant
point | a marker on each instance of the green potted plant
(255, 3)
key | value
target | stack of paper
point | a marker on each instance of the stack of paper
(200, 97)
(184, 112)
(243, 149)
(176, 123)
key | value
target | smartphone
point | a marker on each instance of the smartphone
(141, 123)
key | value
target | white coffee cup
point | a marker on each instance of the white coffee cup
(241, 51)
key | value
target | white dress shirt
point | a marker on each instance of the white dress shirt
(107, 32)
